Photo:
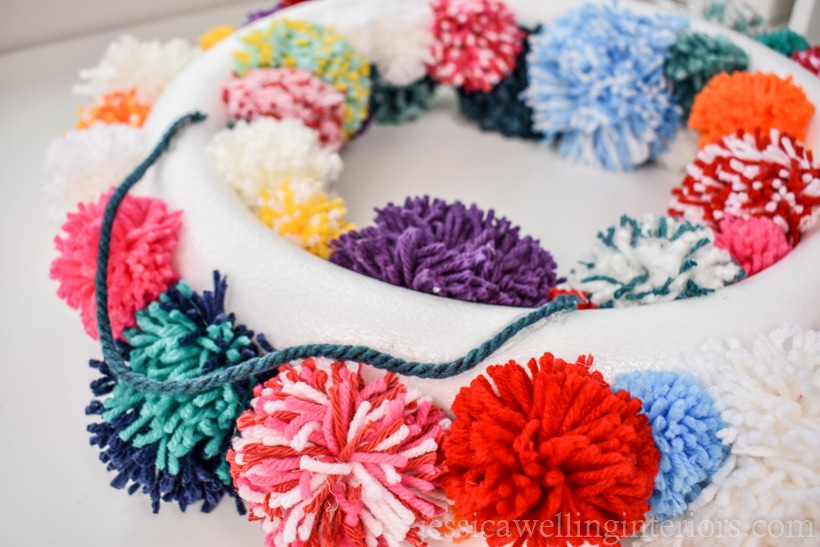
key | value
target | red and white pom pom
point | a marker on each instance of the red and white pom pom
(475, 43)
(284, 93)
(747, 175)
(755, 243)
(809, 58)
(322, 458)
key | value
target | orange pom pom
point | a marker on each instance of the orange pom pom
(749, 101)
(118, 107)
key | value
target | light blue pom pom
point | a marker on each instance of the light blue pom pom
(684, 425)
(597, 85)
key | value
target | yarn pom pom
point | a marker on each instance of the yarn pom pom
(172, 446)
(115, 108)
(81, 165)
(685, 427)
(143, 238)
(695, 59)
(264, 153)
(785, 41)
(318, 49)
(547, 442)
(305, 216)
(288, 93)
(147, 67)
(597, 85)
(501, 109)
(450, 250)
(761, 174)
(755, 243)
(748, 101)
(475, 43)
(809, 59)
(737, 15)
(213, 36)
(394, 105)
(657, 260)
(323, 458)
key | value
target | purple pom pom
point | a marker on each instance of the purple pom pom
(452, 251)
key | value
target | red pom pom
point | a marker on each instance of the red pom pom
(475, 43)
(809, 58)
(555, 446)
(139, 269)
(745, 175)
(754, 243)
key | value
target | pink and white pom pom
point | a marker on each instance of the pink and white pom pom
(284, 93)
(475, 43)
(755, 243)
(744, 175)
(322, 458)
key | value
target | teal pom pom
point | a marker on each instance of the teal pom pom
(695, 59)
(734, 14)
(398, 104)
(685, 426)
(785, 41)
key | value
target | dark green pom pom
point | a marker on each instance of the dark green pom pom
(398, 104)
(785, 41)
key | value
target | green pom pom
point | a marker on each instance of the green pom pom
(695, 59)
(785, 41)
(398, 104)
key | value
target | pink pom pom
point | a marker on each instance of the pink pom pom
(139, 270)
(809, 58)
(755, 243)
(322, 458)
(475, 43)
(288, 93)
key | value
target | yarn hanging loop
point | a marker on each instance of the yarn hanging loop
(274, 359)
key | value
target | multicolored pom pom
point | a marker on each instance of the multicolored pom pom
(452, 251)
(394, 105)
(597, 85)
(809, 59)
(140, 267)
(475, 43)
(119, 107)
(784, 41)
(323, 458)
(749, 101)
(685, 426)
(214, 35)
(284, 93)
(549, 442)
(695, 59)
(302, 214)
(654, 260)
(760, 174)
(172, 446)
(318, 49)
(755, 243)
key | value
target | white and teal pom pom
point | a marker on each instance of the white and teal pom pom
(657, 260)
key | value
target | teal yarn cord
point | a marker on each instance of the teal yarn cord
(274, 359)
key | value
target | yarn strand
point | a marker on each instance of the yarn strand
(274, 359)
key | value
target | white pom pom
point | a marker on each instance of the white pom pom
(83, 164)
(264, 153)
(147, 66)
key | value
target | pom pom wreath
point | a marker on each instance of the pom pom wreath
(395, 105)
(784, 41)
(549, 442)
(147, 67)
(81, 165)
(755, 243)
(450, 250)
(173, 446)
(809, 59)
(322, 458)
(597, 85)
(119, 107)
(264, 153)
(737, 15)
(308, 218)
(695, 59)
(284, 93)
(213, 36)
(685, 427)
(143, 238)
(748, 101)
(656, 260)
(319, 49)
(761, 174)
(475, 43)
(501, 109)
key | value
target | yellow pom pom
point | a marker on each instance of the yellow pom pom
(213, 36)
(304, 216)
